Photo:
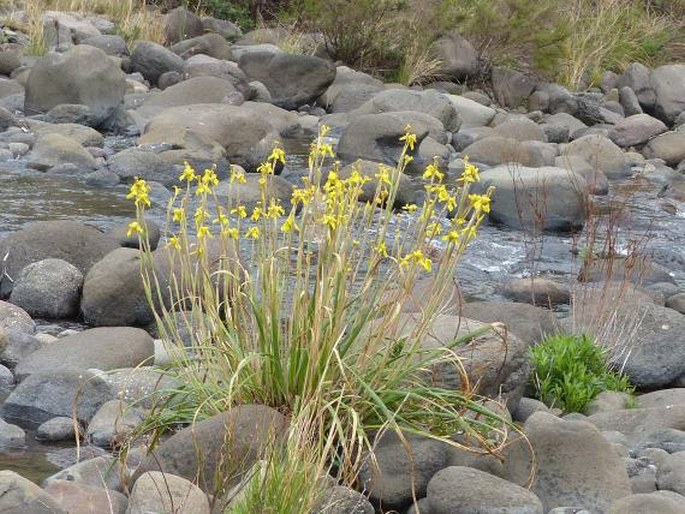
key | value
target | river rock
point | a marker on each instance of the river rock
(11, 436)
(114, 421)
(654, 503)
(462, 489)
(646, 427)
(82, 499)
(16, 346)
(676, 302)
(520, 129)
(59, 428)
(292, 80)
(638, 78)
(18, 494)
(84, 136)
(228, 30)
(669, 146)
(164, 492)
(667, 84)
(471, 113)
(537, 291)
(575, 465)
(522, 197)
(216, 129)
(104, 472)
(103, 348)
(143, 386)
(180, 24)
(111, 44)
(120, 234)
(9, 58)
(197, 90)
(671, 473)
(53, 150)
(401, 468)
(511, 87)
(495, 150)
(350, 90)
(600, 153)
(213, 46)
(71, 241)
(458, 59)
(50, 288)
(15, 319)
(153, 60)
(82, 75)
(143, 163)
(496, 363)
(234, 439)
(376, 137)
(636, 130)
(204, 65)
(429, 101)
(42, 396)
(343, 500)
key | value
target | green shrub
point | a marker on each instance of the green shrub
(570, 370)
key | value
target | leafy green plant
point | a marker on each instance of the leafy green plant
(301, 309)
(570, 370)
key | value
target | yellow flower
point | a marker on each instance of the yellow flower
(134, 228)
(188, 173)
(257, 213)
(481, 203)
(451, 237)
(330, 221)
(179, 214)
(200, 215)
(209, 178)
(231, 232)
(470, 173)
(277, 154)
(203, 232)
(432, 171)
(433, 229)
(266, 168)
(418, 258)
(240, 211)
(409, 138)
(290, 224)
(410, 207)
(382, 249)
(252, 233)
(174, 242)
(383, 174)
(202, 188)
(139, 193)
(237, 176)
(275, 210)
(221, 218)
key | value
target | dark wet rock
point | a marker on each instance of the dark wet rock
(152, 60)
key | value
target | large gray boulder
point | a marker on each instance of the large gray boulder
(458, 59)
(103, 348)
(655, 503)
(43, 396)
(224, 446)
(209, 45)
(471, 113)
(113, 423)
(18, 494)
(53, 150)
(50, 288)
(471, 491)
(376, 137)
(495, 150)
(636, 130)
(164, 492)
(292, 80)
(511, 87)
(429, 101)
(600, 153)
(669, 146)
(667, 83)
(83, 75)
(15, 319)
(71, 241)
(153, 60)
(520, 129)
(638, 78)
(349, 90)
(180, 24)
(217, 130)
(400, 468)
(547, 198)
(197, 90)
(204, 65)
(80, 498)
(574, 465)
